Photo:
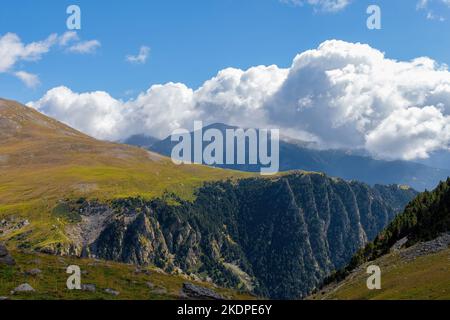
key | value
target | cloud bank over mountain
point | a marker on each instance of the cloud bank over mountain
(341, 95)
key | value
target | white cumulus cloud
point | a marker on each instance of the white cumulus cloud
(321, 5)
(67, 37)
(30, 80)
(433, 6)
(410, 133)
(85, 47)
(141, 58)
(341, 95)
(13, 51)
(95, 113)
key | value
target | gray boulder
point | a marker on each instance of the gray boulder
(112, 292)
(23, 288)
(33, 272)
(160, 291)
(88, 287)
(3, 250)
(5, 257)
(191, 291)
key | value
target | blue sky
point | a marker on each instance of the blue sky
(232, 61)
(191, 41)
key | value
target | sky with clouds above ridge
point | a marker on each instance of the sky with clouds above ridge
(294, 64)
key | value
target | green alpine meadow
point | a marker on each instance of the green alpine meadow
(208, 159)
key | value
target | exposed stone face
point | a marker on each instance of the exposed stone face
(112, 292)
(5, 257)
(425, 248)
(23, 288)
(191, 291)
(33, 272)
(282, 236)
(10, 225)
(3, 251)
(89, 287)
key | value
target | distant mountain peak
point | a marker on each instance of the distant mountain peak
(348, 164)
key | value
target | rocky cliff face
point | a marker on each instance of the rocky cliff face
(276, 237)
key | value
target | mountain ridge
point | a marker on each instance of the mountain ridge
(274, 236)
(299, 155)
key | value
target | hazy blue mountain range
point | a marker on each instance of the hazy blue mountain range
(339, 163)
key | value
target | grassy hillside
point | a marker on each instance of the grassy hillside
(43, 161)
(424, 219)
(423, 229)
(130, 282)
(426, 277)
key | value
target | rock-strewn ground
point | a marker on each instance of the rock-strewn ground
(5, 257)
(425, 248)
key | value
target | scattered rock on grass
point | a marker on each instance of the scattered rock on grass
(112, 292)
(143, 271)
(5, 257)
(23, 288)
(160, 291)
(88, 287)
(33, 272)
(192, 291)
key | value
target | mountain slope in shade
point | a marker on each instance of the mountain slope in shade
(297, 155)
(276, 237)
(417, 242)
(140, 140)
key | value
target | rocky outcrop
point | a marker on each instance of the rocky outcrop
(5, 257)
(89, 287)
(425, 248)
(11, 225)
(112, 292)
(191, 291)
(139, 241)
(23, 288)
(281, 236)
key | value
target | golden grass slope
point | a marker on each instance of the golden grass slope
(424, 278)
(143, 283)
(43, 161)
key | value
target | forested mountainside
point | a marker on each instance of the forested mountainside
(275, 237)
(424, 219)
